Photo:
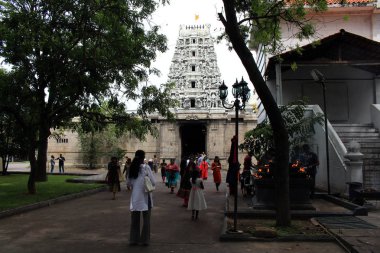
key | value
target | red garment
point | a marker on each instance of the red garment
(247, 162)
(216, 168)
(204, 170)
(172, 167)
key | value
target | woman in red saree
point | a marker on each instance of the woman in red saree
(204, 168)
(216, 167)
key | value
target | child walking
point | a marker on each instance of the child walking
(197, 201)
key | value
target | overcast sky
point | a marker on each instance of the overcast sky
(170, 17)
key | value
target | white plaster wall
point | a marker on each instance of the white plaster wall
(360, 21)
(348, 101)
(338, 173)
(376, 26)
(377, 90)
(375, 115)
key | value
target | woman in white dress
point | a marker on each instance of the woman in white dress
(141, 201)
(197, 201)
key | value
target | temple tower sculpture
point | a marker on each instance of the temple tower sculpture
(194, 69)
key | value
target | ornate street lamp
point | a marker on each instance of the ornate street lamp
(240, 91)
(320, 78)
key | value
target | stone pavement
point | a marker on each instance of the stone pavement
(357, 234)
(96, 223)
(361, 236)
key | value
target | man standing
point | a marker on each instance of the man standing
(155, 163)
(61, 163)
(310, 161)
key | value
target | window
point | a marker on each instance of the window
(62, 140)
(193, 53)
(192, 103)
(193, 68)
(194, 41)
(192, 84)
(155, 120)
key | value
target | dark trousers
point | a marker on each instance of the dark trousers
(61, 168)
(135, 235)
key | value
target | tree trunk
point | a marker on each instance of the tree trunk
(4, 164)
(279, 130)
(33, 168)
(44, 133)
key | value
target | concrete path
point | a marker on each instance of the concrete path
(98, 224)
(363, 237)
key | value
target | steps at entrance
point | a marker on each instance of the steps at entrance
(369, 139)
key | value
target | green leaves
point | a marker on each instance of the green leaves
(81, 58)
(299, 124)
(266, 21)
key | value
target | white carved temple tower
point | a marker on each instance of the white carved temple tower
(194, 69)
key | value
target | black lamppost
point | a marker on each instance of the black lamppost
(240, 91)
(320, 78)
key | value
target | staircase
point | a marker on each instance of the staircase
(369, 139)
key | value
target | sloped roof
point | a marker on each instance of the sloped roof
(340, 48)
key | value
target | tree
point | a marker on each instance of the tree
(260, 21)
(11, 140)
(300, 129)
(68, 57)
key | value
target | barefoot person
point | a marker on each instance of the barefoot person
(112, 177)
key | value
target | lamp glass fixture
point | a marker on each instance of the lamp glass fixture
(236, 89)
(223, 91)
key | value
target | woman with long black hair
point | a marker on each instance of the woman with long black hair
(141, 201)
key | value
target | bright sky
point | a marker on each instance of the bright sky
(170, 17)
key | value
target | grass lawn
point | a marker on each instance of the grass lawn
(14, 193)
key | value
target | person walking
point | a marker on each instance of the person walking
(172, 175)
(216, 168)
(185, 185)
(163, 166)
(245, 176)
(197, 201)
(204, 168)
(112, 177)
(52, 163)
(141, 201)
(61, 163)
(155, 163)
(126, 169)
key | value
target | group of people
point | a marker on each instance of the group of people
(61, 163)
(191, 175)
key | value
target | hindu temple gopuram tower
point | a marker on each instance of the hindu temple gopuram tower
(202, 124)
(194, 69)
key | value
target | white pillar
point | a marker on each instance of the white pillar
(355, 163)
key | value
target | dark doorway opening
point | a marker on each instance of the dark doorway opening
(193, 139)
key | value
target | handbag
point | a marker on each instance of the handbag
(148, 184)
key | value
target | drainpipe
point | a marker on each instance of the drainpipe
(279, 84)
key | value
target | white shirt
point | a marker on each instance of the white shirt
(139, 198)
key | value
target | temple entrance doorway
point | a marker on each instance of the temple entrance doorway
(193, 139)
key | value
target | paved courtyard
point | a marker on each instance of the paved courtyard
(98, 224)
